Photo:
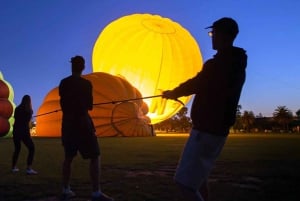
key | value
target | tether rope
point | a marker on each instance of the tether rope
(113, 102)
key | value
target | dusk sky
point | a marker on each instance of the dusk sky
(38, 38)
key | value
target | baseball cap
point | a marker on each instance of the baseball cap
(226, 25)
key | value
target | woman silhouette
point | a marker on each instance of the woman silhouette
(21, 133)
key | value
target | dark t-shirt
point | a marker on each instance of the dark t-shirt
(76, 99)
(76, 96)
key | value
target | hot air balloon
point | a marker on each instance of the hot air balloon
(6, 108)
(153, 53)
(110, 117)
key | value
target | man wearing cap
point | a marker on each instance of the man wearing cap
(217, 90)
(78, 132)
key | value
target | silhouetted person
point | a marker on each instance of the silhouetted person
(78, 132)
(21, 133)
(217, 90)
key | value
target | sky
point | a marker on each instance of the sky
(38, 38)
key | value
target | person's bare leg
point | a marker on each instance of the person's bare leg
(95, 173)
(66, 172)
(95, 178)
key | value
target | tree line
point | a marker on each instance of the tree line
(282, 121)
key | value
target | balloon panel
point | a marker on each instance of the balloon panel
(7, 107)
(4, 90)
(106, 88)
(153, 53)
(4, 128)
(128, 113)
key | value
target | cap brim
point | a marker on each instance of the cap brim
(209, 27)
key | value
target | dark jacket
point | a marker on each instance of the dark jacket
(217, 90)
(21, 125)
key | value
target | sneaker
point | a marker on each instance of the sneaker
(102, 197)
(31, 172)
(15, 170)
(66, 195)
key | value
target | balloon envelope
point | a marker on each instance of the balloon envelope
(110, 117)
(153, 53)
(7, 107)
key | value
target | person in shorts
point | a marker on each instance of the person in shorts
(78, 132)
(217, 88)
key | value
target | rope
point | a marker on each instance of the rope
(113, 102)
(126, 100)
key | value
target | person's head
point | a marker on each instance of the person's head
(223, 33)
(78, 64)
(26, 102)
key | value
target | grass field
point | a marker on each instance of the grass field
(251, 167)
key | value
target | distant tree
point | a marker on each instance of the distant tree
(298, 114)
(182, 112)
(259, 115)
(166, 125)
(238, 124)
(283, 116)
(263, 124)
(183, 122)
(179, 122)
(247, 120)
(238, 110)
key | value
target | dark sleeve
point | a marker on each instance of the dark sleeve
(195, 84)
(236, 82)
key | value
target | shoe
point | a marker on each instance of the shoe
(102, 197)
(31, 172)
(15, 170)
(66, 195)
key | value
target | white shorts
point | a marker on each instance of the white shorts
(200, 152)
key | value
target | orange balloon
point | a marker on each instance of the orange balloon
(110, 117)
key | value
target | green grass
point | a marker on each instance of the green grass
(251, 167)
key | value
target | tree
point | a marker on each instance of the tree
(238, 111)
(179, 122)
(283, 116)
(238, 124)
(247, 120)
(182, 112)
(298, 114)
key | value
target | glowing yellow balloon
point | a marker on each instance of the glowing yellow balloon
(153, 53)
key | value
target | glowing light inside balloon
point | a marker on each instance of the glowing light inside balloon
(151, 52)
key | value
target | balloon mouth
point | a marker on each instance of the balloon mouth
(158, 25)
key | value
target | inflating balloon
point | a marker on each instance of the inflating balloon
(125, 118)
(6, 108)
(153, 53)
